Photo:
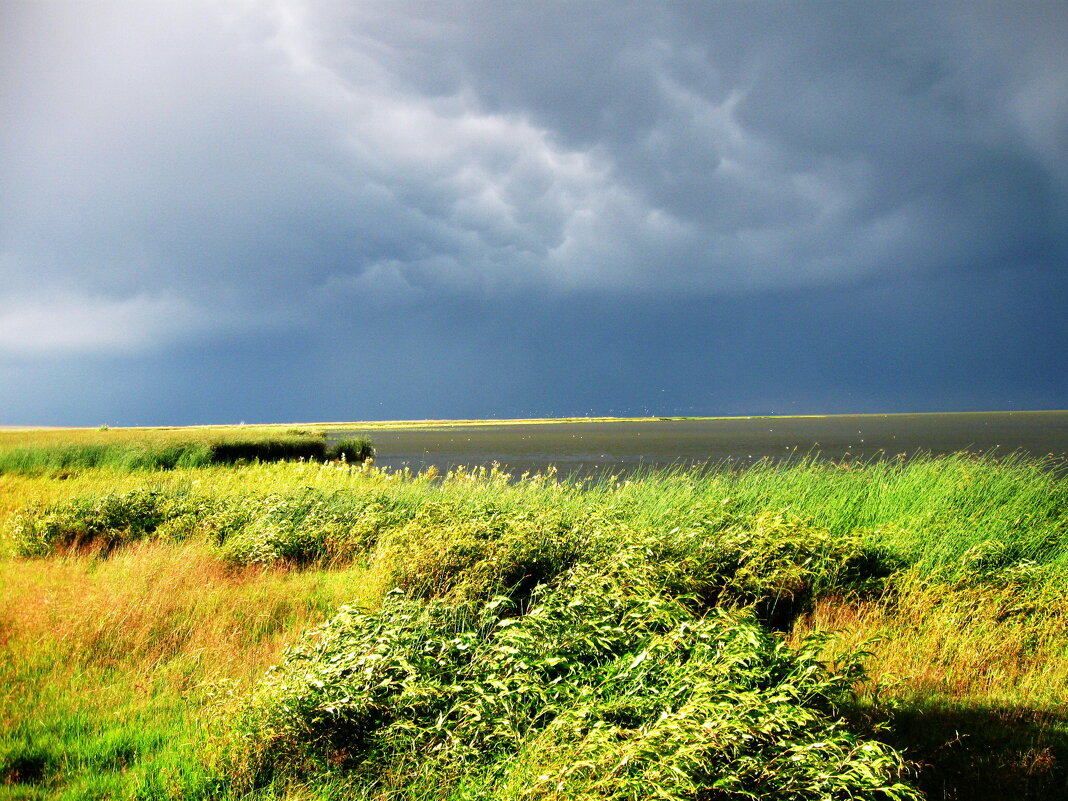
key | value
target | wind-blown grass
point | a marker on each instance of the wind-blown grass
(108, 666)
(590, 639)
(950, 517)
(603, 688)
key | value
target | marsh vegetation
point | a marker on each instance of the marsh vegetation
(59, 452)
(328, 629)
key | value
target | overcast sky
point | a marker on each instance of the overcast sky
(310, 210)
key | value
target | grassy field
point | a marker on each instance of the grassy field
(325, 629)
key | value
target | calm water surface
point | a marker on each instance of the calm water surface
(590, 448)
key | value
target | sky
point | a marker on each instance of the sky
(308, 210)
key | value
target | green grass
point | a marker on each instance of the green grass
(113, 668)
(63, 452)
(538, 638)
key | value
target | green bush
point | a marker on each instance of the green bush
(774, 562)
(295, 528)
(301, 528)
(104, 522)
(604, 688)
(352, 450)
(268, 450)
(475, 550)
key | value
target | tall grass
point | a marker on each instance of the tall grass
(949, 516)
(108, 666)
(550, 638)
(36, 453)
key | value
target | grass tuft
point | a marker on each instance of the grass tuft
(352, 450)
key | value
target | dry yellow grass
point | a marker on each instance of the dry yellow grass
(967, 646)
(156, 605)
(115, 671)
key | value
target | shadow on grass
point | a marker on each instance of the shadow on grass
(984, 753)
(25, 766)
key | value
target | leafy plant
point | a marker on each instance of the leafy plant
(605, 688)
(102, 522)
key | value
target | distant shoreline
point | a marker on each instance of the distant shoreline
(489, 421)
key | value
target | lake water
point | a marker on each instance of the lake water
(597, 447)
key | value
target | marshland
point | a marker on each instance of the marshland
(280, 612)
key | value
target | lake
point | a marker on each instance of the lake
(621, 446)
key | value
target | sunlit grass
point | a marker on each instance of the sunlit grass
(109, 665)
(950, 571)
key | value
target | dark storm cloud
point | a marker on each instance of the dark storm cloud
(180, 181)
(786, 143)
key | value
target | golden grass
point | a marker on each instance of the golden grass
(961, 646)
(157, 605)
(116, 671)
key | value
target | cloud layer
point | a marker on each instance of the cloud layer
(181, 173)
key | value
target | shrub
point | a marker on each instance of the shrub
(475, 550)
(604, 688)
(352, 450)
(301, 528)
(773, 561)
(267, 450)
(104, 522)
